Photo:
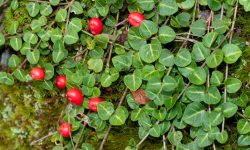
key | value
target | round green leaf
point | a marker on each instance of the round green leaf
(2, 39)
(137, 62)
(243, 126)
(106, 80)
(213, 132)
(232, 85)
(14, 4)
(119, 118)
(166, 34)
(45, 9)
(135, 8)
(215, 118)
(87, 146)
(33, 9)
(149, 72)
(135, 115)
(13, 27)
(95, 64)
(215, 60)
(131, 102)
(93, 13)
(198, 77)
(16, 43)
(56, 34)
(97, 53)
(175, 137)
(246, 112)
(33, 57)
(150, 52)
(3, 77)
(214, 5)
(222, 137)
(148, 28)
(30, 38)
(42, 20)
(229, 109)
(35, 26)
(135, 39)
(209, 39)
(200, 52)
(169, 83)
(70, 63)
(194, 114)
(133, 82)
(166, 58)
(54, 2)
(122, 62)
(155, 131)
(48, 85)
(49, 71)
(179, 123)
(76, 8)
(188, 70)
(203, 140)
(61, 15)
(199, 27)
(105, 110)
(75, 24)
(110, 21)
(13, 61)
(183, 58)
(244, 140)
(71, 37)
(219, 26)
(216, 78)
(102, 40)
(160, 114)
(146, 5)
(183, 19)
(43, 35)
(213, 96)
(167, 7)
(195, 92)
(9, 79)
(231, 53)
(20, 75)
(119, 50)
(145, 121)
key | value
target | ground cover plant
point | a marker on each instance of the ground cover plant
(170, 59)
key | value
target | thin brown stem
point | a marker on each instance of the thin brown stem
(165, 23)
(116, 25)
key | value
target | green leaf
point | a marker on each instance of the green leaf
(75, 24)
(135, 8)
(149, 72)
(148, 28)
(119, 49)
(213, 132)
(213, 96)
(243, 140)
(191, 146)
(105, 110)
(57, 56)
(195, 92)
(216, 78)
(188, 4)
(61, 15)
(16, 43)
(87, 146)
(166, 58)
(198, 77)
(183, 19)
(122, 62)
(93, 13)
(3, 77)
(95, 64)
(33, 9)
(110, 21)
(165, 126)
(135, 39)
(13, 27)
(215, 118)
(209, 39)
(160, 114)
(167, 7)
(199, 27)
(175, 137)
(33, 57)
(222, 137)
(188, 70)
(71, 37)
(203, 140)
(229, 109)
(137, 62)
(56, 34)
(89, 80)
(155, 131)
(57, 148)
(194, 114)
(54, 2)
(169, 83)
(166, 34)
(179, 123)
(104, 11)
(48, 85)
(231, 53)
(106, 80)
(76, 8)
(146, 5)
(200, 52)
(70, 63)
(49, 71)
(2, 39)
(246, 112)
(133, 82)
(43, 35)
(219, 26)
(119, 118)
(150, 52)
(101, 40)
(35, 26)
(135, 115)
(145, 121)
(9, 79)
(14, 4)
(243, 126)
(214, 5)
(183, 58)
(232, 85)
(30, 38)
(45, 9)
(118, 4)
(13, 61)
(150, 108)
(130, 100)
(215, 60)
(20, 75)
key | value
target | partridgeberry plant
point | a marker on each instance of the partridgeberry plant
(164, 48)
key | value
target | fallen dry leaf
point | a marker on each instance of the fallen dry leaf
(140, 96)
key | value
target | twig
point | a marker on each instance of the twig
(78, 140)
(89, 34)
(107, 133)
(221, 11)
(165, 23)
(110, 52)
(116, 25)
(43, 138)
(187, 39)
(69, 109)
(45, 2)
(85, 57)
(164, 142)
(117, 18)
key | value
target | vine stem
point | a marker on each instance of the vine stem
(43, 138)
(69, 109)
(45, 2)
(107, 133)
(164, 142)
(78, 140)
(116, 25)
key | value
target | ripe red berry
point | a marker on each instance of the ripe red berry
(75, 96)
(85, 122)
(93, 103)
(82, 115)
(95, 26)
(61, 82)
(37, 73)
(135, 19)
(65, 129)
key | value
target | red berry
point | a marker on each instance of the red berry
(93, 103)
(135, 19)
(37, 73)
(75, 96)
(65, 129)
(85, 122)
(61, 82)
(82, 115)
(95, 26)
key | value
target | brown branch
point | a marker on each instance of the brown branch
(107, 133)
(116, 25)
